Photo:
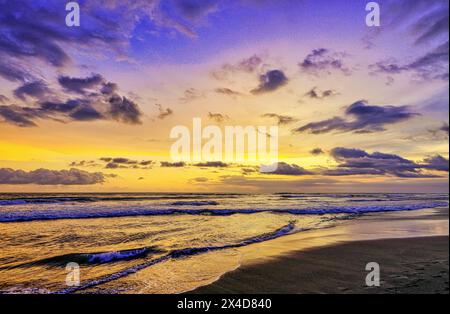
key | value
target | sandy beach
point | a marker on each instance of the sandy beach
(410, 247)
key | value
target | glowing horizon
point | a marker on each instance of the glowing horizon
(359, 109)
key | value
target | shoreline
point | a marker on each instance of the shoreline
(410, 247)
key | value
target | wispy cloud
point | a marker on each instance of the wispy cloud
(323, 61)
(281, 119)
(360, 117)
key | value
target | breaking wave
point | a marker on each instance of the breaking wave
(180, 254)
(105, 212)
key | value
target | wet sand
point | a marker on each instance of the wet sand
(410, 247)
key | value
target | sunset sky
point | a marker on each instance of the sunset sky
(90, 108)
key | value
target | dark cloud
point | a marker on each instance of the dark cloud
(124, 110)
(314, 93)
(437, 162)
(281, 119)
(109, 88)
(433, 65)
(37, 33)
(166, 164)
(283, 168)
(50, 177)
(444, 128)
(12, 71)
(112, 165)
(37, 90)
(359, 162)
(32, 31)
(317, 151)
(364, 118)
(218, 117)
(101, 103)
(86, 113)
(324, 61)
(80, 85)
(248, 171)
(212, 164)
(195, 9)
(19, 116)
(271, 81)
(84, 163)
(124, 163)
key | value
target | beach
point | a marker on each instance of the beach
(411, 249)
(222, 243)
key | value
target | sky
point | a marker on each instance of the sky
(91, 108)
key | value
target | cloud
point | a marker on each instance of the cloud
(13, 71)
(364, 118)
(212, 164)
(3, 99)
(283, 168)
(324, 61)
(430, 66)
(84, 163)
(37, 32)
(218, 117)
(201, 180)
(192, 94)
(249, 65)
(79, 85)
(19, 116)
(314, 93)
(101, 103)
(432, 25)
(282, 119)
(86, 113)
(227, 91)
(124, 110)
(438, 133)
(271, 81)
(123, 163)
(195, 9)
(437, 162)
(38, 90)
(166, 164)
(444, 128)
(164, 113)
(359, 162)
(50, 177)
(109, 88)
(317, 151)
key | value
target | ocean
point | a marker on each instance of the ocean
(159, 243)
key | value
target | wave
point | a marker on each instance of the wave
(41, 215)
(91, 258)
(195, 203)
(99, 198)
(175, 254)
